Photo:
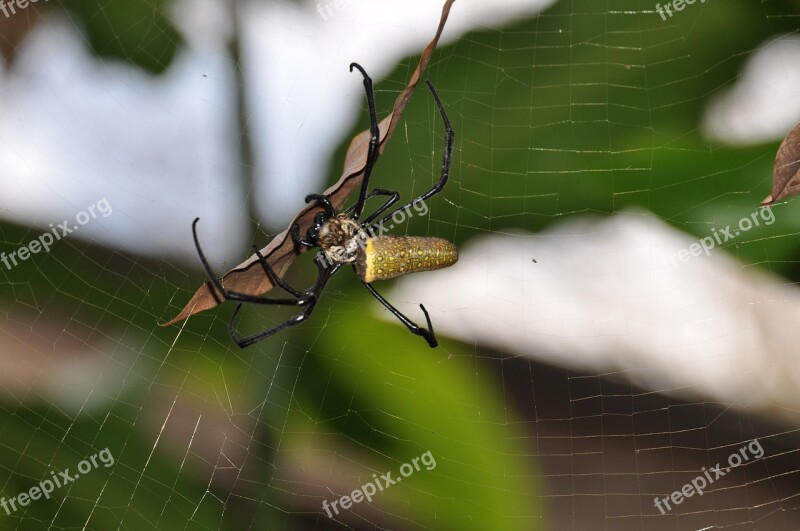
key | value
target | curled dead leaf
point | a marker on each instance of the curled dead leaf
(786, 175)
(248, 277)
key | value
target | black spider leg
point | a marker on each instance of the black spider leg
(324, 201)
(297, 239)
(307, 299)
(228, 295)
(446, 161)
(393, 198)
(321, 200)
(428, 334)
(311, 297)
(276, 280)
(374, 142)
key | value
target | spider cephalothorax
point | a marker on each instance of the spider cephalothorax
(344, 238)
(340, 238)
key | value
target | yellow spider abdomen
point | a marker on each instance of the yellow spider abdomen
(386, 257)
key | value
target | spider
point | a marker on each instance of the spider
(345, 238)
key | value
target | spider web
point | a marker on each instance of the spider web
(567, 116)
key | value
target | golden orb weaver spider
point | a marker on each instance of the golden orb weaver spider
(343, 238)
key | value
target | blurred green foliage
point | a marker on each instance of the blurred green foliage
(594, 107)
(136, 31)
(590, 107)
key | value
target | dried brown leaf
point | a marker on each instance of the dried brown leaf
(248, 277)
(786, 175)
